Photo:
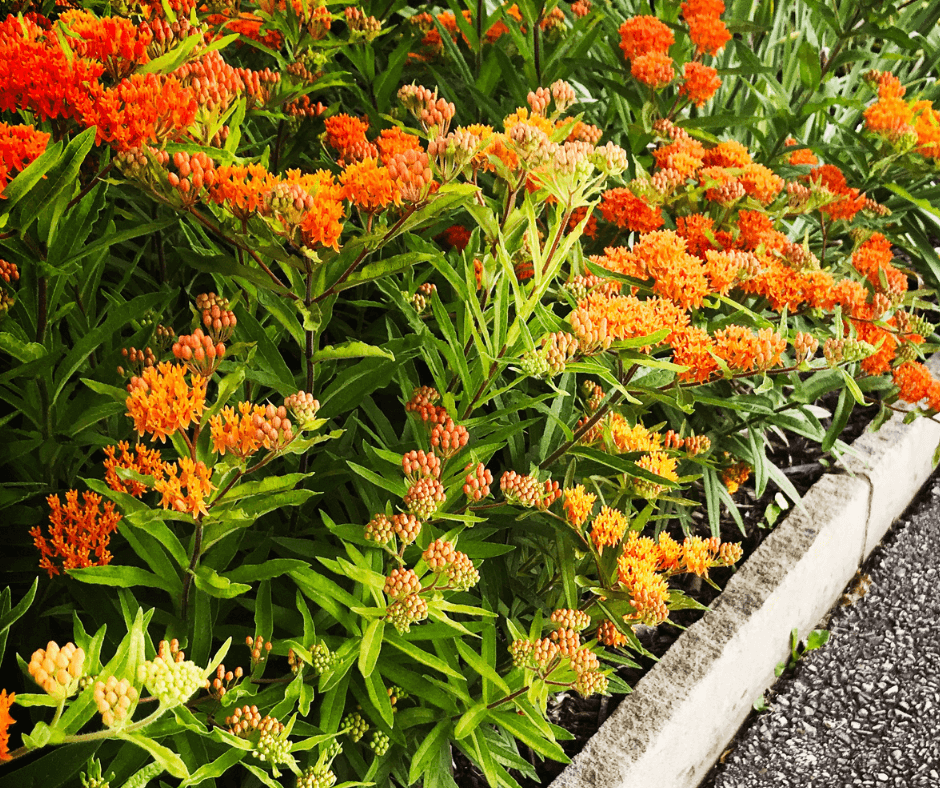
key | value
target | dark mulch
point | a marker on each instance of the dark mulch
(804, 463)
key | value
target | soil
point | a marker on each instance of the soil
(804, 463)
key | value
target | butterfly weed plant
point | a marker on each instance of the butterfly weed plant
(373, 371)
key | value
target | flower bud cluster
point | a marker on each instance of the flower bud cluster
(57, 670)
(317, 777)
(439, 554)
(217, 318)
(425, 497)
(223, 681)
(379, 743)
(422, 403)
(567, 618)
(199, 352)
(417, 465)
(271, 748)
(838, 351)
(114, 700)
(354, 725)
(805, 345)
(402, 582)
(246, 721)
(164, 336)
(172, 680)
(9, 272)
(539, 100)
(451, 153)
(461, 574)
(406, 527)
(693, 444)
(477, 482)
(909, 323)
(323, 659)
(551, 358)
(379, 529)
(303, 406)
(260, 648)
(407, 611)
(6, 304)
(288, 203)
(568, 640)
(609, 635)
(528, 491)
(579, 286)
(427, 108)
(360, 25)
(610, 159)
(138, 359)
(411, 171)
(193, 172)
(449, 438)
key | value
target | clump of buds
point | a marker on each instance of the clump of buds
(6, 304)
(539, 100)
(528, 491)
(610, 159)
(478, 481)
(360, 25)
(9, 272)
(449, 438)
(406, 527)
(170, 676)
(114, 700)
(411, 171)
(439, 553)
(322, 658)
(319, 776)
(427, 108)
(425, 497)
(57, 670)
(568, 640)
(838, 351)
(805, 345)
(218, 319)
(609, 635)
(266, 733)
(379, 743)
(138, 359)
(735, 475)
(567, 618)
(354, 725)
(379, 529)
(461, 574)
(422, 403)
(304, 407)
(405, 612)
(402, 582)
(551, 358)
(193, 172)
(199, 353)
(395, 694)
(909, 323)
(164, 336)
(260, 648)
(223, 681)
(417, 465)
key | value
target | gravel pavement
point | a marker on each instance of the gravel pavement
(863, 710)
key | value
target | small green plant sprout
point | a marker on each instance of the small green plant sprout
(816, 639)
(92, 778)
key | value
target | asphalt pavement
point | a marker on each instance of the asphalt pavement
(863, 710)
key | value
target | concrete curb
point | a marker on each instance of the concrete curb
(681, 715)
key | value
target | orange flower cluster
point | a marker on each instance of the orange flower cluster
(735, 475)
(699, 82)
(162, 402)
(242, 189)
(347, 136)
(743, 350)
(831, 179)
(76, 532)
(629, 212)
(915, 383)
(707, 31)
(19, 146)
(578, 505)
(394, 141)
(147, 462)
(642, 35)
(601, 319)
(676, 274)
(607, 528)
(369, 186)
(6, 701)
(873, 260)
(801, 156)
(194, 478)
(118, 44)
(252, 428)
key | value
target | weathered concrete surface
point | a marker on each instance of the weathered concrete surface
(675, 724)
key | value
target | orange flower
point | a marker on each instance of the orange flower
(192, 476)
(693, 348)
(654, 69)
(913, 379)
(578, 505)
(642, 35)
(148, 462)
(927, 128)
(722, 268)
(118, 44)
(830, 177)
(803, 156)
(708, 33)
(699, 82)
(394, 141)
(889, 117)
(873, 258)
(456, 237)
(347, 136)
(369, 186)
(161, 402)
(627, 437)
(660, 464)
(253, 428)
(607, 528)
(880, 361)
(6, 701)
(323, 225)
(702, 8)
(743, 350)
(241, 189)
(761, 183)
(734, 476)
(601, 318)
(729, 153)
(629, 212)
(698, 230)
(76, 531)
(756, 229)
(19, 146)
(676, 274)
(684, 155)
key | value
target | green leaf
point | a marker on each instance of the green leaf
(422, 656)
(24, 352)
(121, 576)
(142, 777)
(523, 729)
(427, 750)
(276, 567)
(351, 350)
(11, 616)
(839, 419)
(371, 646)
(470, 720)
(212, 583)
(480, 665)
